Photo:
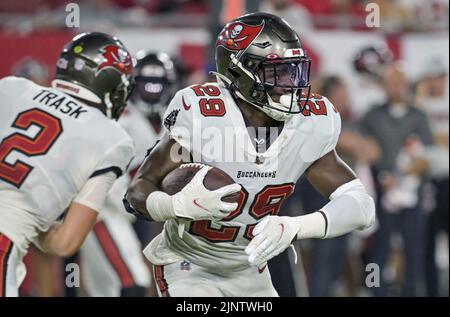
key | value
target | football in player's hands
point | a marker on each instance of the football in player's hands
(214, 179)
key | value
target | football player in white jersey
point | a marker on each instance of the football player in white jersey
(61, 151)
(279, 131)
(111, 258)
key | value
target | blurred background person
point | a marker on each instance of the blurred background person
(367, 89)
(432, 98)
(356, 150)
(402, 131)
(292, 11)
(32, 69)
(157, 80)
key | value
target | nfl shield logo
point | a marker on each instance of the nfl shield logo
(185, 266)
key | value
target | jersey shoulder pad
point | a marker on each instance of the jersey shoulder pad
(12, 85)
(6, 84)
(117, 151)
(183, 114)
(194, 108)
(181, 110)
(320, 124)
(9, 81)
(196, 102)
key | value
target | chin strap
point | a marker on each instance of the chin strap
(222, 79)
(109, 105)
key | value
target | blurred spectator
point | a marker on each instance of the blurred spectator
(367, 89)
(432, 97)
(336, 13)
(427, 15)
(99, 15)
(328, 257)
(294, 13)
(394, 17)
(401, 131)
(220, 13)
(33, 70)
(352, 146)
(95, 15)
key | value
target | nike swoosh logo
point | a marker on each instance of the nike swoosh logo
(185, 106)
(282, 230)
(198, 205)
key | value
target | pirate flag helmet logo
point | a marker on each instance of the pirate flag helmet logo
(237, 36)
(117, 58)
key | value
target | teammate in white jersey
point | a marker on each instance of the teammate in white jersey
(112, 263)
(261, 126)
(61, 151)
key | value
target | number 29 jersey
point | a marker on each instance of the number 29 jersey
(51, 144)
(208, 124)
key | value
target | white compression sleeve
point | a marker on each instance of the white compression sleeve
(94, 192)
(350, 208)
(312, 225)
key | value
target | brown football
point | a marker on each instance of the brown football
(181, 176)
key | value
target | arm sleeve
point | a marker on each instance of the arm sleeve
(350, 208)
(94, 192)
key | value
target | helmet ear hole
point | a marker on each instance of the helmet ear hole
(258, 91)
(250, 64)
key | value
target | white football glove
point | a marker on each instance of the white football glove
(196, 202)
(272, 236)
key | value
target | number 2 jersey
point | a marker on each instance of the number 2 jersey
(51, 144)
(207, 123)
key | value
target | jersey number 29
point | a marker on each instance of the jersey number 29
(266, 202)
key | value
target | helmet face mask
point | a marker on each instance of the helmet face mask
(155, 83)
(284, 81)
(271, 72)
(119, 97)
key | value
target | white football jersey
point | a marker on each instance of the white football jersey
(207, 122)
(51, 144)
